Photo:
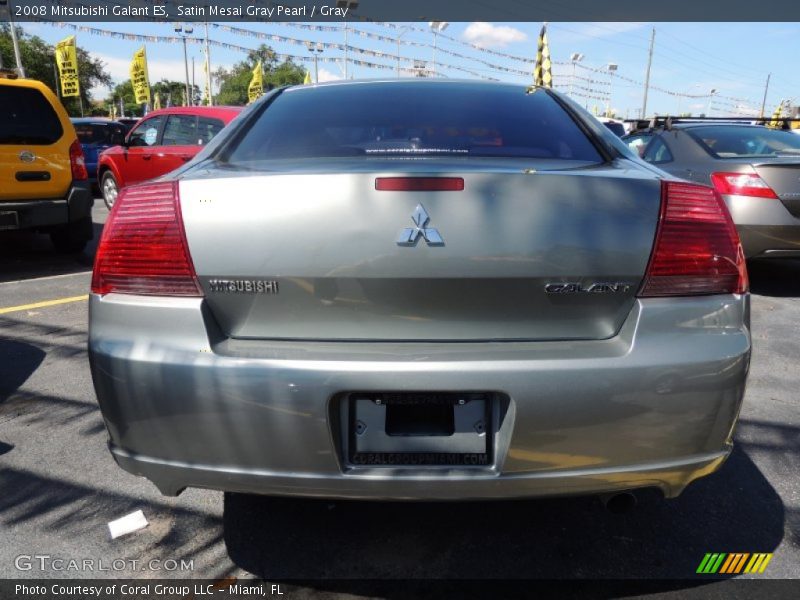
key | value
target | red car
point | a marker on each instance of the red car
(159, 143)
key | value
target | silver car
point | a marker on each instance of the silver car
(755, 169)
(419, 290)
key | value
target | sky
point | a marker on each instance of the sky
(689, 59)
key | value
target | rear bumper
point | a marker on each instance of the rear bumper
(766, 241)
(767, 229)
(32, 214)
(655, 406)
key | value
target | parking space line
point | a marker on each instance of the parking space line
(43, 304)
(46, 277)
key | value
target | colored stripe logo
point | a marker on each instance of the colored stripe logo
(734, 563)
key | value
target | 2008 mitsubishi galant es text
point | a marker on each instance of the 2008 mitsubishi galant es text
(419, 290)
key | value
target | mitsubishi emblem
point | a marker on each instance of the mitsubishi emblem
(410, 235)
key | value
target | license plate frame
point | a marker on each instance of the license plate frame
(467, 441)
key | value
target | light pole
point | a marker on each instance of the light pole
(612, 68)
(209, 83)
(576, 57)
(316, 50)
(193, 84)
(185, 30)
(402, 33)
(710, 98)
(349, 5)
(437, 27)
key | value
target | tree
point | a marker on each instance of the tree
(124, 91)
(38, 59)
(172, 92)
(233, 83)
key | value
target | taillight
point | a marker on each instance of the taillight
(77, 162)
(697, 249)
(143, 249)
(419, 184)
(742, 184)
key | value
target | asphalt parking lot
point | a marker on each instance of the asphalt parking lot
(60, 486)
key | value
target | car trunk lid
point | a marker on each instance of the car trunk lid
(783, 176)
(516, 255)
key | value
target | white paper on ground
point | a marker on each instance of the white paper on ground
(127, 524)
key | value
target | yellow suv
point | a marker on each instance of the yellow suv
(44, 185)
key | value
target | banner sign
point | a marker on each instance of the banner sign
(256, 87)
(139, 77)
(67, 63)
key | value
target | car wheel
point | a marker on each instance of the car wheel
(73, 237)
(109, 189)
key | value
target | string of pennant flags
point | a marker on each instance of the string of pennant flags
(597, 88)
(361, 19)
(660, 89)
(376, 37)
(168, 39)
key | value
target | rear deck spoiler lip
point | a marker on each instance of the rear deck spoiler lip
(779, 161)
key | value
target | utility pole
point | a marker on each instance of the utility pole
(764, 101)
(647, 75)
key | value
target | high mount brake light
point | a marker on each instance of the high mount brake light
(419, 184)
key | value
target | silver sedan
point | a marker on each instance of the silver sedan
(419, 290)
(754, 168)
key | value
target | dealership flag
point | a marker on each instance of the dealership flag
(307, 78)
(256, 87)
(67, 62)
(542, 76)
(139, 78)
(777, 115)
(157, 101)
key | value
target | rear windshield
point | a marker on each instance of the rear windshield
(413, 120)
(26, 117)
(735, 142)
(97, 133)
(617, 128)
